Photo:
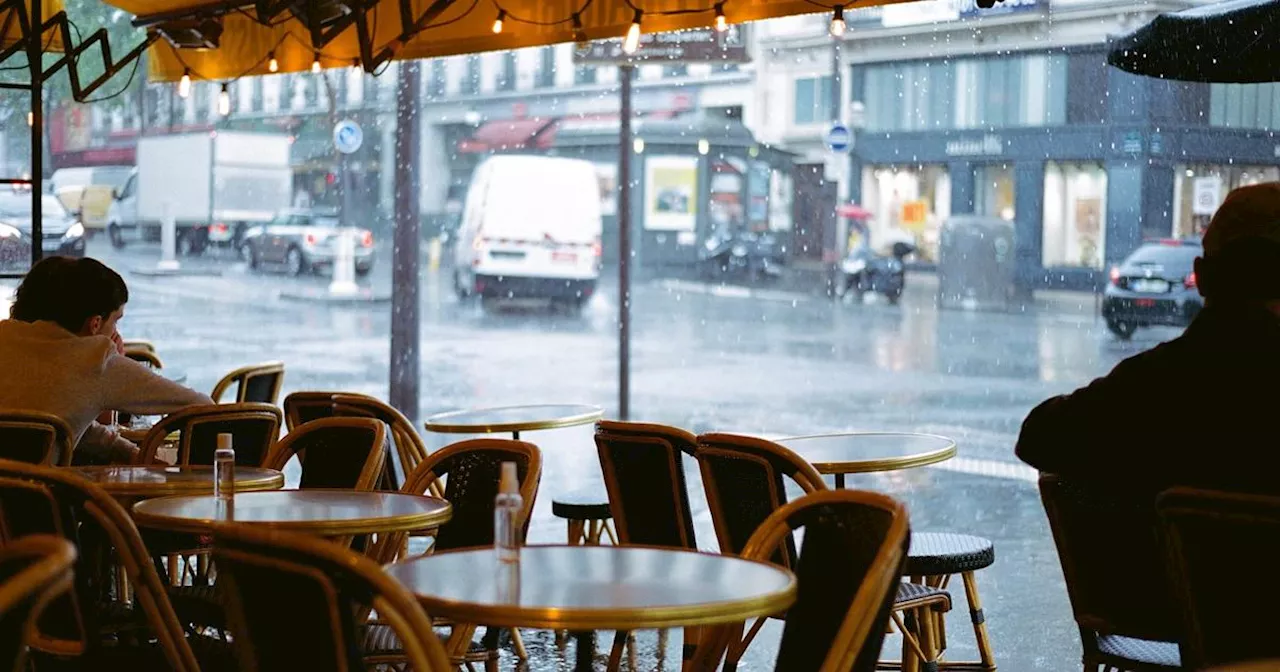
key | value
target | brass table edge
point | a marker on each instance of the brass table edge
(882, 464)
(403, 523)
(558, 423)
(264, 484)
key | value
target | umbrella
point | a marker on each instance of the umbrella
(1237, 41)
(853, 211)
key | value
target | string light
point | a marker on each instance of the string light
(722, 24)
(315, 65)
(837, 22)
(224, 101)
(579, 36)
(704, 146)
(497, 23)
(632, 41)
(637, 145)
(184, 84)
(272, 64)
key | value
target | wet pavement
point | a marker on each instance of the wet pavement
(705, 358)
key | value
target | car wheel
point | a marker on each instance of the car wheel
(363, 271)
(116, 235)
(294, 261)
(460, 288)
(1122, 330)
(249, 252)
(893, 297)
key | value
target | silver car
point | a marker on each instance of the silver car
(303, 241)
(63, 232)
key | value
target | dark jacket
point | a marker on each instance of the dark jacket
(1202, 410)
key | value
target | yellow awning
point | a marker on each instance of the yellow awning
(465, 26)
(10, 33)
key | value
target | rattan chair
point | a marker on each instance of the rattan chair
(149, 358)
(303, 407)
(471, 471)
(86, 625)
(1214, 540)
(34, 437)
(139, 345)
(259, 382)
(1113, 562)
(643, 468)
(847, 570)
(345, 453)
(253, 426)
(410, 450)
(33, 571)
(296, 602)
(745, 481)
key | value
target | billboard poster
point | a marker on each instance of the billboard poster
(670, 193)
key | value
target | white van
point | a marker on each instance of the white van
(530, 229)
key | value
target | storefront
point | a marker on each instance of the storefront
(908, 203)
(1199, 189)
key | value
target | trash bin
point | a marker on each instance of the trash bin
(976, 263)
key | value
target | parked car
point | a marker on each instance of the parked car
(63, 234)
(302, 241)
(1156, 285)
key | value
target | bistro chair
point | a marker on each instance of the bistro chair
(296, 602)
(1214, 540)
(303, 407)
(410, 450)
(35, 438)
(90, 625)
(253, 426)
(471, 471)
(33, 571)
(147, 358)
(847, 570)
(744, 481)
(259, 382)
(643, 468)
(139, 344)
(343, 453)
(1112, 559)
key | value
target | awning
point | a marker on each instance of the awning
(10, 34)
(506, 134)
(449, 27)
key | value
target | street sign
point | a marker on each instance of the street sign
(347, 136)
(839, 138)
(1206, 195)
(697, 45)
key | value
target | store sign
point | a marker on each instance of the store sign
(987, 145)
(1206, 195)
(698, 45)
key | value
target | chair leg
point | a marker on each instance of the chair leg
(979, 622)
(608, 529)
(517, 643)
(692, 636)
(619, 646)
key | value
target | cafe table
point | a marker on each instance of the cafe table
(148, 481)
(588, 588)
(327, 513)
(513, 419)
(865, 452)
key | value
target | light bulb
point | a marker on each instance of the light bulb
(224, 101)
(497, 23)
(184, 84)
(632, 41)
(837, 21)
(315, 65)
(579, 37)
(722, 24)
(272, 64)
(704, 146)
(637, 145)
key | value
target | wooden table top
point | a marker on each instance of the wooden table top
(596, 587)
(322, 512)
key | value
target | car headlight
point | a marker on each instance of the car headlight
(7, 231)
(74, 231)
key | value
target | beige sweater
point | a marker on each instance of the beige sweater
(46, 368)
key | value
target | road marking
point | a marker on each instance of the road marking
(731, 291)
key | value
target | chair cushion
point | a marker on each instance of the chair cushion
(589, 506)
(914, 595)
(939, 553)
(1141, 650)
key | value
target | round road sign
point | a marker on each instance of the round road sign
(839, 139)
(347, 136)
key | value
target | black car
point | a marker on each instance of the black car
(63, 234)
(1156, 285)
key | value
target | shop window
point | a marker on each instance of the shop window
(1075, 215)
(1198, 190)
(993, 191)
(909, 204)
(813, 100)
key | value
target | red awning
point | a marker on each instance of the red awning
(607, 119)
(505, 134)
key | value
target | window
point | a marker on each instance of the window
(436, 85)
(471, 76)
(677, 70)
(1254, 106)
(993, 191)
(813, 100)
(546, 76)
(507, 72)
(909, 203)
(584, 74)
(1075, 215)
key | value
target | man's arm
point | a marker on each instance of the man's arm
(102, 445)
(131, 387)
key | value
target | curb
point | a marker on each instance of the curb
(365, 296)
(153, 272)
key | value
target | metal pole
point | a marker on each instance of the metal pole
(404, 273)
(35, 62)
(625, 73)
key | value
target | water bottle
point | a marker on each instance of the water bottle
(224, 476)
(506, 516)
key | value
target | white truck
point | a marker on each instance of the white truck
(215, 184)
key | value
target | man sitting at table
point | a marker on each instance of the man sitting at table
(1201, 409)
(60, 354)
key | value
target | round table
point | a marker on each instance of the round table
(329, 513)
(587, 588)
(514, 419)
(161, 481)
(863, 452)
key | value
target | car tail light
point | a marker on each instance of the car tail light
(311, 239)
(219, 227)
(366, 239)
(1190, 281)
(597, 250)
(1115, 275)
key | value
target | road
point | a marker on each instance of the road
(706, 358)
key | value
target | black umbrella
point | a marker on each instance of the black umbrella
(1237, 41)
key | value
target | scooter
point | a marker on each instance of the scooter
(740, 254)
(866, 271)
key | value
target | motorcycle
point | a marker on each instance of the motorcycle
(866, 271)
(740, 254)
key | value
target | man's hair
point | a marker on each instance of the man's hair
(68, 291)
